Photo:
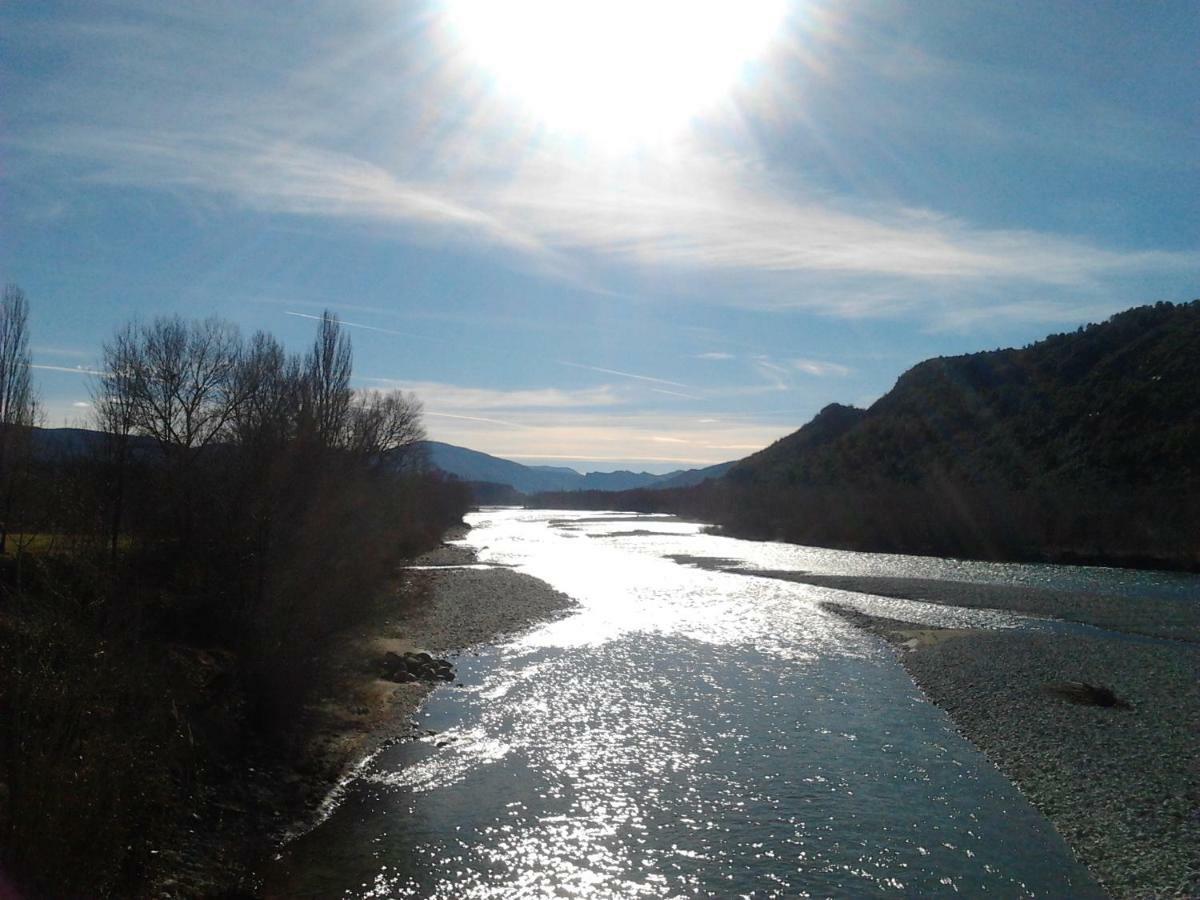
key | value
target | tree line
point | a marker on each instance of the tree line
(170, 579)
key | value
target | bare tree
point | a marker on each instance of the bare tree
(178, 384)
(115, 414)
(182, 375)
(18, 404)
(269, 388)
(327, 369)
(385, 426)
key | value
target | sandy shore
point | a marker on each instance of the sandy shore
(1122, 783)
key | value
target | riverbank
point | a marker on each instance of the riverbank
(439, 607)
(1156, 617)
(1152, 617)
(1120, 783)
(436, 606)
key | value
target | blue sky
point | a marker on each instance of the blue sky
(614, 255)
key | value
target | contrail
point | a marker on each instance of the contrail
(622, 374)
(408, 334)
(475, 419)
(676, 394)
(74, 370)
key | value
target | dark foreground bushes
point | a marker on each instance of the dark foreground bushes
(172, 582)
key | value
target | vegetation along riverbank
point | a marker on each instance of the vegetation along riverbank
(172, 586)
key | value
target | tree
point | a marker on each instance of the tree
(115, 412)
(385, 427)
(269, 387)
(18, 403)
(183, 380)
(327, 391)
(178, 383)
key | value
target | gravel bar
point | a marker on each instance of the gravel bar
(1120, 783)
(1153, 617)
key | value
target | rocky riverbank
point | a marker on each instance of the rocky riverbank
(441, 608)
(1120, 781)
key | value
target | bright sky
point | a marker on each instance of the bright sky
(600, 234)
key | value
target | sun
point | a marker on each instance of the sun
(615, 71)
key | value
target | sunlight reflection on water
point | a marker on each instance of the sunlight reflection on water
(683, 732)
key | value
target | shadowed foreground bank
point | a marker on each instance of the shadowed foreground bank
(1119, 782)
(448, 611)
(171, 587)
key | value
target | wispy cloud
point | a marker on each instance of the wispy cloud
(715, 355)
(301, 134)
(603, 437)
(63, 352)
(820, 368)
(265, 172)
(440, 396)
(777, 377)
(692, 212)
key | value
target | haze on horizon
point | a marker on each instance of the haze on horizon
(603, 235)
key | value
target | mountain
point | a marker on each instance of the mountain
(691, 477)
(473, 466)
(1083, 447)
(491, 475)
(67, 443)
(621, 480)
(1115, 405)
(800, 448)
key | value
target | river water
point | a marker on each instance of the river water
(686, 732)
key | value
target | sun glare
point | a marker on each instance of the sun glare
(614, 71)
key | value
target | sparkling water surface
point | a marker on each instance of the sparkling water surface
(686, 732)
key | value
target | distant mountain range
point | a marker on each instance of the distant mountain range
(471, 465)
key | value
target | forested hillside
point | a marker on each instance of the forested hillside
(1112, 405)
(1084, 446)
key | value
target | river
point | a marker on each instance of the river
(688, 732)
